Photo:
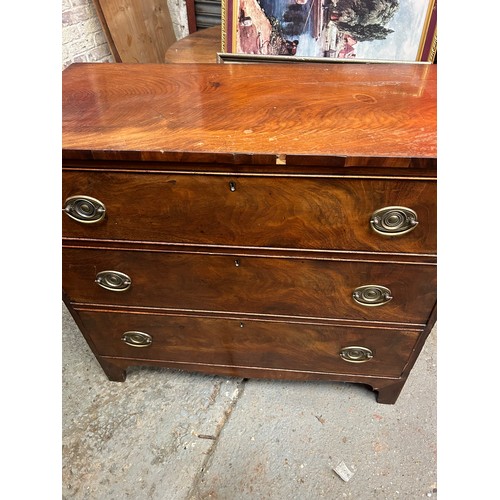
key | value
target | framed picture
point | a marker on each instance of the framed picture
(329, 30)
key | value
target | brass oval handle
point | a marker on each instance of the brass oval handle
(113, 280)
(394, 221)
(84, 209)
(372, 295)
(356, 354)
(137, 339)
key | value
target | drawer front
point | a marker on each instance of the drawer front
(259, 285)
(253, 211)
(249, 343)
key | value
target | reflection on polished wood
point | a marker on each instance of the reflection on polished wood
(233, 111)
(199, 47)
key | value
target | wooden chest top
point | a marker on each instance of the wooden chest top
(235, 113)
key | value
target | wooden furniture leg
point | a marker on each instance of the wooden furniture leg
(113, 370)
(388, 394)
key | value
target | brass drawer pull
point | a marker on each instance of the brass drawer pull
(84, 209)
(372, 295)
(394, 221)
(355, 354)
(113, 280)
(137, 339)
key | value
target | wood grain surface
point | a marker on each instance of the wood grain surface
(261, 344)
(138, 31)
(265, 286)
(360, 110)
(262, 211)
(198, 47)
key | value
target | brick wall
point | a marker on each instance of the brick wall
(178, 13)
(83, 39)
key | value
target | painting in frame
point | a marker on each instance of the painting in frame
(330, 30)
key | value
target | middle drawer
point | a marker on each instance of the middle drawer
(275, 286)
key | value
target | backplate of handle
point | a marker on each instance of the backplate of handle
(394, 221)
(372, 295)
(137, 339)
(113, 280)
(84, 209)
(356, 354)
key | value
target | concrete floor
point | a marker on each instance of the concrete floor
(166, 434)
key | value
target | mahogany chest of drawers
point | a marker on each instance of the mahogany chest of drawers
(252, 220)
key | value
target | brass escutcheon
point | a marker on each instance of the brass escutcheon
(372, 295)
(84, 209)
(356, 354)
(113, 280)
(137, 339)
(394, 221)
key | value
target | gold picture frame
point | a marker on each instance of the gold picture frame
(328, 31)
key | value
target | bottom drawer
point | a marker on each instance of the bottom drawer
(250, 343)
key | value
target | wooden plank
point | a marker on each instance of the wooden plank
(139, 31)
(105, 28)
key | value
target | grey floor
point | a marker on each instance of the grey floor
(166, 434)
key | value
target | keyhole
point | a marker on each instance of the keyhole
(232, 186)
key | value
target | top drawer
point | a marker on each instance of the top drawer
(252, 210)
